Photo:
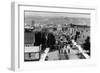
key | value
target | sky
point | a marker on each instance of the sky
(56, 18)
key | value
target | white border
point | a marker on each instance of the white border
(18, 29)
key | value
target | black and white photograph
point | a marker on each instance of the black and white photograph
(53, 36)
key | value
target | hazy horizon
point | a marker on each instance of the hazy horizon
(56, 18)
